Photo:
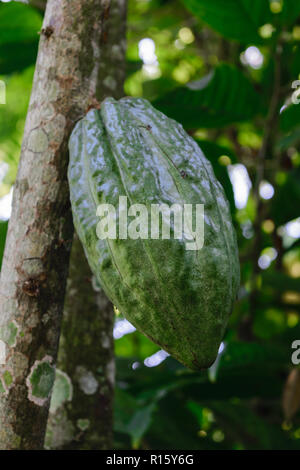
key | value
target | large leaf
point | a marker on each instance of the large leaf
(18, 22)
(290, 118)
(290, 140)
(140, 422)
(245, 370)
(254, 431)
(280, 282)
(213, 152)
(234, 19)
(290, 11)
(286, 202)
(132, 66)
(125, 406)
(222, 97)
(131, 417)
(175, 427)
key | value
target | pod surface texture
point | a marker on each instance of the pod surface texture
(179, 298)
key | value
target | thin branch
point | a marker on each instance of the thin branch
(271, 123)
(270, 128)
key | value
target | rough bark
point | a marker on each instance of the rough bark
(71, 73)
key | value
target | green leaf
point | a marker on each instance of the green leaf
(15, 57)
(292, 139)
(222, 97)
(132, 417)
(286, 201)
(19, 26)
(213, 152)
(249, 428)
(233, 19)
(18, 22)
(290, 118)
(280, 282)
(140, 422)
(174, 427)
(152, 89)
(245, 370)
(132, 66)
(269, 322)
(124, 407)
(290, 11)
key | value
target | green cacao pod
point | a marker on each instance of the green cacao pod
(179, 298)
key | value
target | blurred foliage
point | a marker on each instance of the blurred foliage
(222, 97)
(224, 69)
(18, 36)
(19, 27)
(234, 19)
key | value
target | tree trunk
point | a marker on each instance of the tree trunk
(82, 401)
(71, 74)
